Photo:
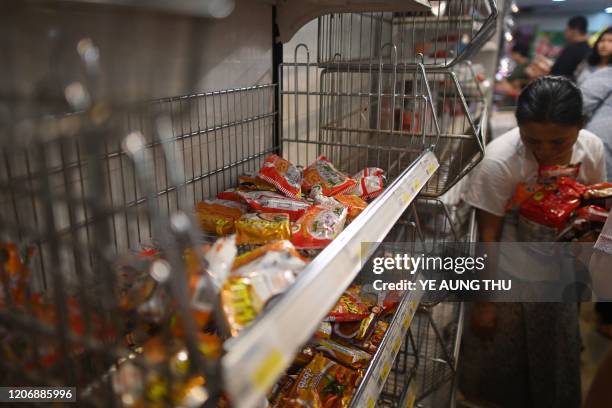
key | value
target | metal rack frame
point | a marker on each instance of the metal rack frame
(451, 30)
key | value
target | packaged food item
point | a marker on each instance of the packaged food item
(522, 193)
(218, 216)
(304, 357)
(220, 258)
(332, 181)
(370, 183)
(550, 174)
(231, 194)
(286, 177)
(592, 213)
(599, 195)
(320, 199)
(237, 304)
(349, 308)
(346, 330)
(372, 343)
(270, 271)
(134, 280)
(280, 390)
(324, 331)
(269, 202)
(15, 262)
(322, 384)
(285, 247)
(318, 227)
(553, 205)
(349, 356)
(261, 228)
(251, 181)
(353, 203)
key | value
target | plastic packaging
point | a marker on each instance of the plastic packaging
(370, 183)
(332, 181)
(266, 201)
(318, 227)
(218, 216)
(262, 228)
(286, 177)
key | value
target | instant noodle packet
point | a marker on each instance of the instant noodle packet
(250, 181)
(322, 384)
(286, 177)
(262, 228)
(318, 227)
(218, 216)
(269, 202)
(332, 181)
(370, 183)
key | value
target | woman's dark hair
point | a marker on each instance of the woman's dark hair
(594, 57)
(550, 99)
(579, 23)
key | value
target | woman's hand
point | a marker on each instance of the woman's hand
(484, 320)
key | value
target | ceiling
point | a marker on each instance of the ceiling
(584, 6)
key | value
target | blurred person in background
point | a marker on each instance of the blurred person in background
(595, 81)
(600, 57)
(576, 48)
(518, 78)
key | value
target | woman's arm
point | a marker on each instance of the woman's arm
(484, 314)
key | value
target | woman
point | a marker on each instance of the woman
(600, 56)
(527, 354)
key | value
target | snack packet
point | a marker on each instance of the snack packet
(220, 258)
(522, 193)
(262, 228)
(349, 356)
(250, 181)
(553, 205)
(286, 177)
(599, 195)
(550, 174)
(269, 202)
(231, 194)
(353, 203)
(218, 216)
(271, 270)
(318, 227)
(332, 181)
(322, 384)
(592, 213)
(237, 304)
(370, 183)
(349, 308)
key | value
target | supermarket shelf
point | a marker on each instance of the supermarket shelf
(258, 356)
(376, 375)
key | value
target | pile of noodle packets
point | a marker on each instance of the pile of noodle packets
(269, 226)
(308, 206)
(328, 370)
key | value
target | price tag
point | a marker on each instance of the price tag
(406, 197)
(371, 402)
(385, 371)
(417, 185)
(407, 320)
(431, 168)
(410, 399)
(397, 345)
(268, 370)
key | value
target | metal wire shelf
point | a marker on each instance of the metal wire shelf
(447, 34)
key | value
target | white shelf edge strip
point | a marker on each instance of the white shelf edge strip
(257, 357)
(397, 333)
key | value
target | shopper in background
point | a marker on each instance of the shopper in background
(518, 78)
(600, 57)
(576, 49)
(527, 354)
(596, 85)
